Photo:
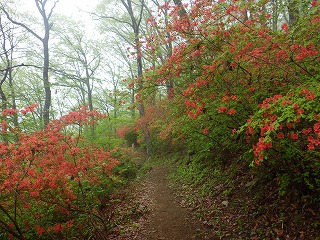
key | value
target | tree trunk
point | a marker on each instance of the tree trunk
(275, 15)
(89, 90)
(46, 82)
(136, 30)
(169, 46)
(13, 97)
(133, 111)
(293, 11)
(3, 99)
(3, 106)
(182, 11)
(115, 100)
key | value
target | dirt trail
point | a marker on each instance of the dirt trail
(168, 220)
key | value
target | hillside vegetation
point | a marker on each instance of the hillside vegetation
(228, 96)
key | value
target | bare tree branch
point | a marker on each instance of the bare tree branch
(110, 17)
(20, 65)
(51, 11)
(21, 24)
(141, 13)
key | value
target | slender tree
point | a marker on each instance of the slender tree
(45, 15)
(6, 67)
(77, 60)
(135, 14)
(131, 72)
(164, 37)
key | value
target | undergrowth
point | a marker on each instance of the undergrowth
(238, 203)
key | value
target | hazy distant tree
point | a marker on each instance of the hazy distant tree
(46, 14)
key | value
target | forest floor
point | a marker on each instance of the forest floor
(156, 208)
(164, 218)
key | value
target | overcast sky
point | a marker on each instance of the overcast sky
(76, 9)
(66, 7)
(73, 7)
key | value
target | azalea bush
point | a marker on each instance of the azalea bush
(51, 183)
(285, 133)
(240, 80)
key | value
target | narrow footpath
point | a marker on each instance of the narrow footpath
(168, 220)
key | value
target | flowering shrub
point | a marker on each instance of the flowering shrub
(128, 133)
(286, 135)
(49, 180)
(236, 63)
